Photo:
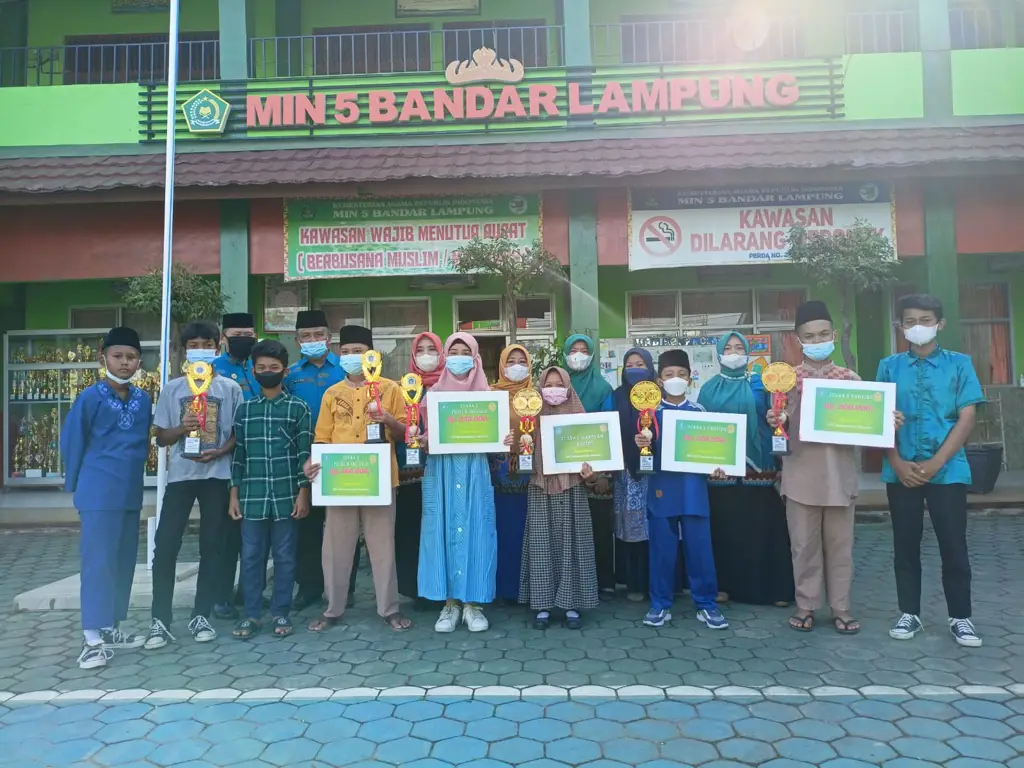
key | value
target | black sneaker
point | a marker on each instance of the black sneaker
(202, 631)
(94, 656)
(964, 633)
(159, 636)
(225, 612)
(906, 627)
(115, 638)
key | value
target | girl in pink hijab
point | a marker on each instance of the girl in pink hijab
(458, 540)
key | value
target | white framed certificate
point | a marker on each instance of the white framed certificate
(848, 413)
(700, 442)
(467, 422)
(572, 440)
(352, 475)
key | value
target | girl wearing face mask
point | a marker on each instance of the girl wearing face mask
(558, 569)
(458, 542)
(632, 562)
(514, 374)
(748, 519)
(427, 360)
(595, 393)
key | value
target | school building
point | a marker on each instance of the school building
(336, 154)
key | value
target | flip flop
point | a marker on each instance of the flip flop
(246, 629)
(282, 627)
(844, 627)
(802, 623)
(323, 623)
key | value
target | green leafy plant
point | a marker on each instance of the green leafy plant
(543, 355)
(853, 261)
(519, 269)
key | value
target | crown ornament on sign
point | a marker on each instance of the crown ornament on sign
(485, 66)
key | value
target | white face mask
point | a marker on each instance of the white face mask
(427, 362)
(118, 379)
(516, 372)
(921, 334)
(675, 386)
(733, 362)
(578, 361)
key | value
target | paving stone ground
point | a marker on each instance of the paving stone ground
(614, 694)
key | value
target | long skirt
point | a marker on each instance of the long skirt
(408, 519)
(510, 516)
(602, 519)
(558, 569)
(750, 539)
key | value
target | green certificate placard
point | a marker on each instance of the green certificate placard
(569, 441)
(700, 442)
(848, 412)
(352, 475)
(582, 442)
(467, 422)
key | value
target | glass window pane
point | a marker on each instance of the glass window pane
(396, 354)
(980, 301)
(344, 313)
(652, 310)
(94, 317)
(147, 324)
(534, 312)
(718, 309)
(779, 306)
(399, 318)
(479, 315)
(988, 344)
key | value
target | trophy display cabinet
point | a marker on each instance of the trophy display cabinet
(44, 372)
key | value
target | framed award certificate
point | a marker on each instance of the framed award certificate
(352, 475)
(568, 442)
(848, 413)
(697, 442)
(467, 422)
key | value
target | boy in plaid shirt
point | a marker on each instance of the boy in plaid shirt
(269, 491)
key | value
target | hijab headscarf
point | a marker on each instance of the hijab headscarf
(628, 415)
(731, 392)
(589, 384)
(504, 384)
(554, 484)
(429, 377)
(476, 381)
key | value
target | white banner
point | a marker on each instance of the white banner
(697, 228)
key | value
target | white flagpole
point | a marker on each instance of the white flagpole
(165, 307)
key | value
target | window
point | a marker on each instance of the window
(653, 311)
(881, 27)
(394, 322)
(975, 24)
(146, 323)
(534, 314)
(676, 39)
(985, 314)
(476, 315)
(527, 41)
(371, 50)
(94, 317)
(95, 59)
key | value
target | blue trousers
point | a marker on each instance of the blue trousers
(282, 537)
(664, 533)
(109, 548)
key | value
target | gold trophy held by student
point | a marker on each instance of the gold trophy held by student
(527, 404)
(779, 379)
(646, 397)
(199, 375)
(412, 392)
(373, 366)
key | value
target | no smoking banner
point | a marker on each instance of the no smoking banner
(660, 236)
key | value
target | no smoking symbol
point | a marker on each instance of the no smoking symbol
(660, 236)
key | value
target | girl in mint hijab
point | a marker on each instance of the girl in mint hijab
(585, 372)
(749, 532)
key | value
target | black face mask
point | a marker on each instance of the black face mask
(269, 379)
(239, 347)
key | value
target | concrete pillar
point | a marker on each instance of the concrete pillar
(584, 306)
(933, 30)
(234, 254)
(941, 259)
(576, 22)
(234, 43)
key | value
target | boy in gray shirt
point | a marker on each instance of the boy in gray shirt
(206, 478)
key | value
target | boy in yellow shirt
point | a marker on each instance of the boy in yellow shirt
(346, 411)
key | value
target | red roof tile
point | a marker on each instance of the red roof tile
(608, 157)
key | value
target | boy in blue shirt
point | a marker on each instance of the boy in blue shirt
(677, 505)
(936, 394)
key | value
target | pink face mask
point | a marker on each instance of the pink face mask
(554, 395)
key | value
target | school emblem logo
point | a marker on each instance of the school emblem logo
(206, 112)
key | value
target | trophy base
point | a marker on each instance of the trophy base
(525, 464)
(193, 447)
(412, 457)
(374, 433)
(780, 445)
(647, 465)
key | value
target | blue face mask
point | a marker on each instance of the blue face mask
(314, 348)
(460, 365)
(353, 364)
(820, 351)
(200, 355)
(636, 375)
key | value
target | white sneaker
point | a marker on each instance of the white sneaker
(115, 638)
(964, 633)
(94, 656)
(202, 631)
(159, 636)
(474, 618)
(448, 621)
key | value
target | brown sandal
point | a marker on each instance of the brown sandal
(323, 622)
(846, 626)
(802, 623)
(398, 622)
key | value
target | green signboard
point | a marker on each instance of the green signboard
(582, 443)
(350, 474)
(398, 236)
(854, 412)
